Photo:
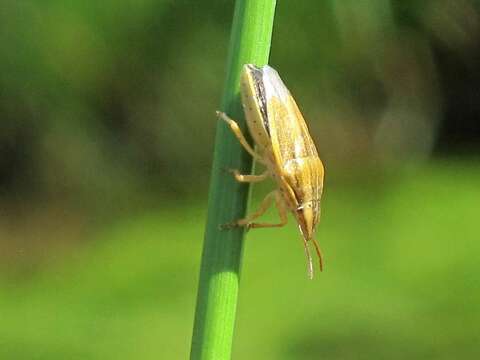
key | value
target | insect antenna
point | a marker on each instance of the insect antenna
(319, 253)
(309, 259)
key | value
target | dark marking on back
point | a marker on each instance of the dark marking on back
(260, 92)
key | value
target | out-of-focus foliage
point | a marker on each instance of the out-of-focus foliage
(401, 280)
(103, 98)
(106, 97)
(107, 113)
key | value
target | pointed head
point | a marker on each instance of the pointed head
(307, 216)
(302, 189)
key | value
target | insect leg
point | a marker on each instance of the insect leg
(238, 133)
(249, 178)
(282, 212)
(264, 205)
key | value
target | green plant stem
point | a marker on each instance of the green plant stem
(222, 251)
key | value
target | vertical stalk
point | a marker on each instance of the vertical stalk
(222, 251)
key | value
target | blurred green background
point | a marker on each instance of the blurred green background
(106, 134)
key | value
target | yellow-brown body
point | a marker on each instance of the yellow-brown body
(285, 147)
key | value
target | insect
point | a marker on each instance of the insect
(284, 146)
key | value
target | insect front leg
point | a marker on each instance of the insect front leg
(282, 212)
(264, 205)
(249, 178)
(238, 133)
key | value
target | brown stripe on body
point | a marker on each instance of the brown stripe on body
(260, 93)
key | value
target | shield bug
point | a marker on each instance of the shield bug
(284, 146)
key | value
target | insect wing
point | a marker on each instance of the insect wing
(292, 146)
(289, 132)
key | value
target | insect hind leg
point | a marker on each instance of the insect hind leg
(241, 138)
